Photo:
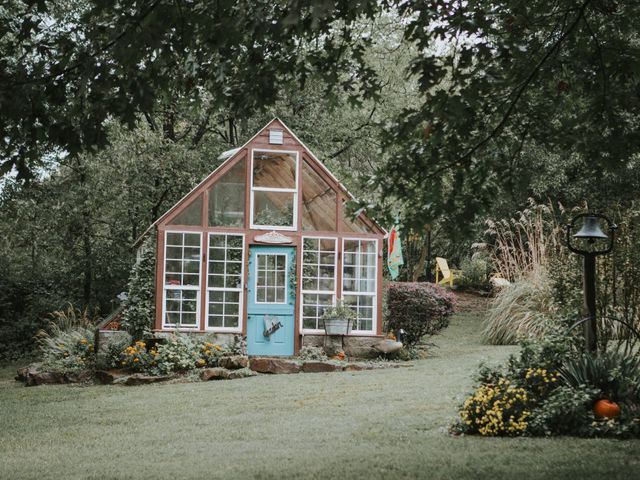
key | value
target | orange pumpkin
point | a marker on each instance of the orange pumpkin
(606, 409)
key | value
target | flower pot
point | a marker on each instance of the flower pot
(337, 326)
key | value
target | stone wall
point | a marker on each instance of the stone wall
(353, 346)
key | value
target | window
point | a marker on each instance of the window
(182, 260)
(224, 281)
(271, 278)
(274, 194)
(359, 274)
(318, 280)
(191, 215)
(226, 198)
(318, 202)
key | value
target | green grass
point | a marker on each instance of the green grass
(375, 424)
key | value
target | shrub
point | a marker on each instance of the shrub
(178, 353)
(312, 353)
(522, 309)
(109, 353)
(562, 385)
(418, 308)
(67, 342)
(475, 272)
(566, 410)
(68, 351)
(136, 357)
(139, 307)
(496, 409)
(615, 374)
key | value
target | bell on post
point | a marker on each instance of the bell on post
(591, 230)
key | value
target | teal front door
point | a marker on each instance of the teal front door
(270, 301)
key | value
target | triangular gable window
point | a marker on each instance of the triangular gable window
(356, 225)
(190, 215)
(318, 202)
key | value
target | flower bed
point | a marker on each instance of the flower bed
(554, 388)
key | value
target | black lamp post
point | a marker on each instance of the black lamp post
(588, 235)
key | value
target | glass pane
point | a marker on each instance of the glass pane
(188, 319)
(226, 198)
(216, 281)
(318, 202)
(231, 321)
(191, 280)
(174, 253)
(216, 253)
(216, 296)
(215, 321)
(191, 215)
(274, 170)
(310, 244)
(174, 238)
(273, 209)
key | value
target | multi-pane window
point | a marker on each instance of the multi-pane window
(224, 281)
(182, 279)
(271, 282)
(359, 274)
(274, 189)
(318, 280)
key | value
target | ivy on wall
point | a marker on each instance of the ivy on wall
(139, 306)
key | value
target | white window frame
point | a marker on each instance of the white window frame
(237, 329)
(286, 278)
(318, 292)
(165, 287)
(374, 294)
(293, 227)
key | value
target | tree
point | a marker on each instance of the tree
(77, 64)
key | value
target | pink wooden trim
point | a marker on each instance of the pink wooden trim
(159, 278)
(296, 313)
(380, 289)
(245, 286)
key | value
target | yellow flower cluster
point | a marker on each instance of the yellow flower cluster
(542, 374)
(496, 409)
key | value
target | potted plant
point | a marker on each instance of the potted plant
(337, 320)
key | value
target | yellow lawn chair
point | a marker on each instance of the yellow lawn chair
(447, 274)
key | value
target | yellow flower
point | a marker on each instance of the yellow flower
(218, 348)
(136, 360)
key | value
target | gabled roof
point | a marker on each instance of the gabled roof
(230, 155)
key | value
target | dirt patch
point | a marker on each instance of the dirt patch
(470, 302)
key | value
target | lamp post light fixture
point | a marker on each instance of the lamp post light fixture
(587, 237)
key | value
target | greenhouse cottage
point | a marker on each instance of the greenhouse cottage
(262, 246)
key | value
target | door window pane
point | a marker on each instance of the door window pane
(271, 278)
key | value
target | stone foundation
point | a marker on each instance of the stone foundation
(353, 346)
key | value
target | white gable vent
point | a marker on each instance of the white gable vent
(275, 137)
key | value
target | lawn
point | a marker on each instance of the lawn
(376, 424)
